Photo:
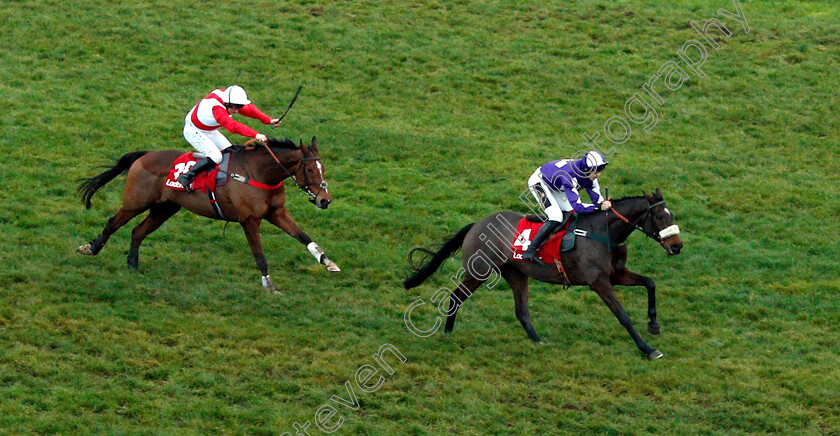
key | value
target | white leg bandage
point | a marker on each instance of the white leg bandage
(316, 251)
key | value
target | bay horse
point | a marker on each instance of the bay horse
(256, 194)
(598, 260)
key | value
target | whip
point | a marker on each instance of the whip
(294, 99)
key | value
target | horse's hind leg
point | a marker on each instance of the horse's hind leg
(158, 214)
(518, 282)
(625, 277)
(457, 299)
(123, 216)
(251, 225)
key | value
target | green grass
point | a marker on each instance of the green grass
(430, 115)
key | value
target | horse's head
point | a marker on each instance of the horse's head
(310, 175)
(660, 222)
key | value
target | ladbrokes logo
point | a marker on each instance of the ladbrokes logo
(180, 168)
(173, 184)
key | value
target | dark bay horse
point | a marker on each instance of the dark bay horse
(597, 261)
(239, 200)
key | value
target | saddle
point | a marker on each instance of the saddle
(562, 240)
(568, 230)
(205, 182)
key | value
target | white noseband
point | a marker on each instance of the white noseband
(669, 231)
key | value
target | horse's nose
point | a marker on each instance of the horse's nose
(323, 203)
(676, 248)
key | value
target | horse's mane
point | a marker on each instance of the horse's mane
(285, 144)
(630, 197)
(282, 143)
(542, 218)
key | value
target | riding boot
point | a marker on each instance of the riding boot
(539, 239)
(187, 178)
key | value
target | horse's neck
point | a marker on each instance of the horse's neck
(632, 209)
(267, 168)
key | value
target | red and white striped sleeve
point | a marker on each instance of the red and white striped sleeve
(222, 116)
(251, 111)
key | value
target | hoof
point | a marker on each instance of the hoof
(653, 329)
(269, 285)
(85, 249)
(332, 267)
(532, 335)
(655, 354)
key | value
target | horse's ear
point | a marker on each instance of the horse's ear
(301, 146)
(645, 194)
(314, 144)
(658, 194)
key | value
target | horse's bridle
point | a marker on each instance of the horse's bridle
(306, 182)
(305, 186)
(663, 234)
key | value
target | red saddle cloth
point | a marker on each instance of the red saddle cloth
(525, 232)
(204, 182)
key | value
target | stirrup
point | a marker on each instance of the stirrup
(186, 186)
(532, 257)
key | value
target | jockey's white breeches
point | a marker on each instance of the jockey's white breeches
(553, 202)
(208, 142)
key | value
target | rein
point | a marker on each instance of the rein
(305, 186)
(663, 234)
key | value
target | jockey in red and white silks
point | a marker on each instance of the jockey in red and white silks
(556, 186)
(201, 127)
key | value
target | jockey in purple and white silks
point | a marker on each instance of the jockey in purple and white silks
(557, 185)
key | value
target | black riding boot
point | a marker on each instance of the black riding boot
(539, 239)
(186, 179)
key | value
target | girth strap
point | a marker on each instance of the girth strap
(254, 183)
(212, 196)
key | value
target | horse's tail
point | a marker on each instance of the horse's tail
(89, 186)
(424, 271)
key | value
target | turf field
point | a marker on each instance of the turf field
(430, 115)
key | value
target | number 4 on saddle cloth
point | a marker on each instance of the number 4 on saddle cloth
(205, 182)
(527, 229)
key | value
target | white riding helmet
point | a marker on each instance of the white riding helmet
(595, 161)
(234, 94)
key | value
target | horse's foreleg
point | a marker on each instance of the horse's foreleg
(604, 290)
(625, 277)
(518, 282)
(123, 216)
(251, 225)
(157, 215)
(282, 219)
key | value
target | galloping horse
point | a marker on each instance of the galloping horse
(256, 194)
(598, 261)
